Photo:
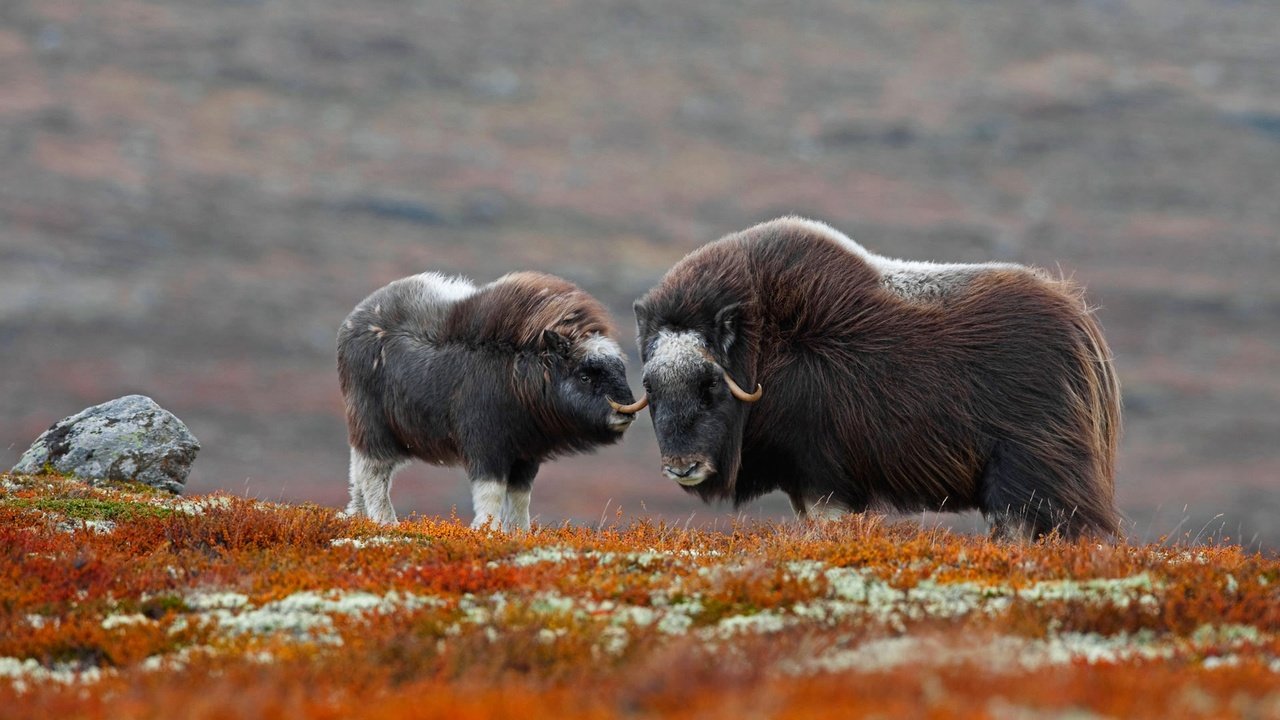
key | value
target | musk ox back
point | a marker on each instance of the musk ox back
(497, 378)
(873, 382)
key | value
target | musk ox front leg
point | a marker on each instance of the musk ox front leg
(488, 493)
(515, 515)
(488, 465)
(503, 499)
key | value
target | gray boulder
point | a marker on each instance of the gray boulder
(129, 438)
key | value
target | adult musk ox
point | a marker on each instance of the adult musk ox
(788, 357)
(497, 378)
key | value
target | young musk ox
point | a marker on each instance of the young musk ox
(881, 383)
(498, 378)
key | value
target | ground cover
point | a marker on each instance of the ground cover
(119, 602)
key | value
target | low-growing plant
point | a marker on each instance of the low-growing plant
(295, 610)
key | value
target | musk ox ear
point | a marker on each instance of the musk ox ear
(642, 326)
(727, 326)
(557, 344)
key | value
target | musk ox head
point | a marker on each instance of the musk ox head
(698, 409)
(588, 383)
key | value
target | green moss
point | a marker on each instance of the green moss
(130, 486)
(156, 606)
(91, 508)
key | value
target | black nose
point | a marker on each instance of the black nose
(685, 471)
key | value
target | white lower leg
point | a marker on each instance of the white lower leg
(371, 487)
(487, 496)
(355, 485)
(824, 509)
(516, 512)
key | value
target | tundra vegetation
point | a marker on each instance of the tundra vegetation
(119, 602)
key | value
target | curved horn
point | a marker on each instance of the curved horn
(741, 394)
(631, 409)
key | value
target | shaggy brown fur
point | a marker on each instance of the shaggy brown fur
(987, 386)
(519, 307)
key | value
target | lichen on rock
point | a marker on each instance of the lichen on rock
(130, 439)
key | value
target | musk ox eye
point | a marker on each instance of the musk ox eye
(708, 394)
(585, 379)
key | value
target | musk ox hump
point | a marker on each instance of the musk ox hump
(913, 280)
(520, 307)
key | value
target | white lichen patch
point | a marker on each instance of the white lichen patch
(21, 672)
(200, 506)
(757, 624)
(857, 592)
(102, 527)
(216, 601)
(1221, 661)
(650, 559)
(111, 622)
(375, 541)
(678, 619)
(615, 622)
(1000, 654)
(305, 616)
(1119, 592)
(545, 554)
(839, 595)
(1006, 654)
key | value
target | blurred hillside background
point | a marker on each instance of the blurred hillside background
(194, 193)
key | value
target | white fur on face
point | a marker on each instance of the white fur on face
(599, 346)
(675, 355)
(487, 497)
(910, 279)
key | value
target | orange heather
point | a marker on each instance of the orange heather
(118, 603)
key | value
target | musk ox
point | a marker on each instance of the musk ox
(497, 378)
(880, 383)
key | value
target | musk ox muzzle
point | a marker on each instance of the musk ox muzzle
(687, 470)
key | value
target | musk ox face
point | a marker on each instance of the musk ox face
(698, 410)
(590, 386)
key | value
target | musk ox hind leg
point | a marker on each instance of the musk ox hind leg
(355, 486)
(817, 507)
(515, 512)
(1026, 498)
(370, 484)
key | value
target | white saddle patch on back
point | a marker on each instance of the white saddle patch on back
(910, 279)
(436, 289)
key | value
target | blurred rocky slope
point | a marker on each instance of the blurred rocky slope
(193, 194)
